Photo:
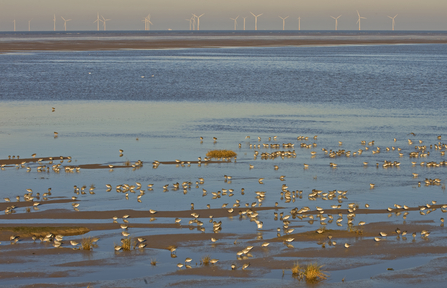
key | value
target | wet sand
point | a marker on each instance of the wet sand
(279, 256)
(268, 259)
(173, 41)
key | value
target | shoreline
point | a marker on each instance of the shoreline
(73, 42)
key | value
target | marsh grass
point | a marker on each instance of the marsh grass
(206, 260)
(128, 243)
(153, 262)
(127, 163)
(297, 271)
(356, 230)
(42, 231)
(312, 273)
(87, 243)
(221, 154)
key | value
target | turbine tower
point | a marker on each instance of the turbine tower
(54, 23)
(392, 23)
(198, 21)
(97, 21)
(360, 17)
(147, 22)
(256, 19)
(104, 20)
(193, 19)
(283, 21)
(65, 23)
(235, 21)
(244, 22)
(29, 24)
(336, 21)
(299, 23)
(190, 23)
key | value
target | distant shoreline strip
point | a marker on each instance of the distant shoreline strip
(92, 45)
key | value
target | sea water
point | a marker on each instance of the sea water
(155, 104)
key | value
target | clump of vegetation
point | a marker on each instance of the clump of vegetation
(312, 273)
(356, 230)
(127, 243)
(153, 262)
(206, 260)
(127, 163)
(296, 271)
(221, 154)
(87, 243)
(38, 231)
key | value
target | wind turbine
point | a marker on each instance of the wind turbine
(147, 22)
(392, 18)
(54, 21)
(190, 23)
(235, 21)
(256, 19)
(283, 21)
(104, 20)
(360, 17)
(193, 19)
(299, 23)
(244, 22)
(29, 24)
(198, 21)
(65, 22)
(336, 21)
(97, 21)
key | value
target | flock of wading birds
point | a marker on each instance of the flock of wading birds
(249, 211)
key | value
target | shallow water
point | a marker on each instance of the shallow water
(346, 93)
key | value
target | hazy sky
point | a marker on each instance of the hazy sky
(172, 14)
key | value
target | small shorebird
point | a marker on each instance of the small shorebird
(347, 245)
